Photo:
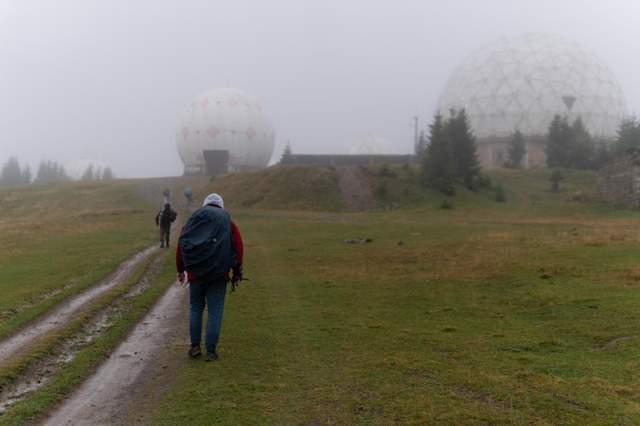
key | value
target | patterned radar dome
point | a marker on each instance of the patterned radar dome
(226, 120)
(522, 83)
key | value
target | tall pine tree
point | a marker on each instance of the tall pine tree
(421, 146)
(517, 150)
(107, 174)
(559, 143)
(286, 155)
(88, 173)
(26, 174)
(463, 145)
(628, 138)
(582, 149)
(438, 163)
(11, 173)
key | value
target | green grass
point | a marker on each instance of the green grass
(56, 240)
(523, 312)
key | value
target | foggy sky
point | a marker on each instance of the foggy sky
(107, 79)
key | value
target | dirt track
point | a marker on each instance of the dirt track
(65, 311)
(356, 189)
(105, 397)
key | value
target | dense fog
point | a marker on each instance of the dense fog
(108, 79)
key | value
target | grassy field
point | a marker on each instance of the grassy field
(522, 312)
(57, 239)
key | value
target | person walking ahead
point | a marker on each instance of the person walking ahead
(209, 247)
(164, 219)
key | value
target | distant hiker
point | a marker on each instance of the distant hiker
(164, 219)
(210, 246)
(188, 194)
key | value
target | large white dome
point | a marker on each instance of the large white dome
(370, 145)
(522, 83)
(225, 119)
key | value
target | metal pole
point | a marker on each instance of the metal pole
(415, 136)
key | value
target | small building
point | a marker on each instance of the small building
(493, 152)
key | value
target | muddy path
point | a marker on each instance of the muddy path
(65, 310)
(107, 396)
(39, 374)
(356, 189)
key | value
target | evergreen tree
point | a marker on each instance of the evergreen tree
(581, 147)
(559, 143)
(50, 172)
(11, 173)
(602, 154)
(628, 136)
(88, 174)
(438, 164)
(286, 155)
(517, 150)
(107, 174)
(421, 146)
(463, 145)
(26, 174)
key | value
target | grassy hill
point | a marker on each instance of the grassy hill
(57, 239)
(280, 188)
(315, 188)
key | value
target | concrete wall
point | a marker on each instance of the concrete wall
(619, 181)
(349, 160)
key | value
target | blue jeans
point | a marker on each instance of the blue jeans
(211, 294)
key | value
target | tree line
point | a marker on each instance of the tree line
(570, 145)
(48, 172)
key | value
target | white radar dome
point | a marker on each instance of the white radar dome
(522, 83)
(228, 120)
(370, 145)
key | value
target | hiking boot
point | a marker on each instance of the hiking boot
(195, 352)
(212, 356)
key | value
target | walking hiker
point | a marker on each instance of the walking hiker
(164, 219)
(209, 247)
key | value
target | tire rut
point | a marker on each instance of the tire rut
(42, 371)
(64, 312)
(103, 398)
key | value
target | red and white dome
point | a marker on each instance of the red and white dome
(225, 119)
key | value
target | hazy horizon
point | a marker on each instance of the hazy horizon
(107, 80)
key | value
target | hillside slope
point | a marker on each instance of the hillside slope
(383, 187)
(280, 188)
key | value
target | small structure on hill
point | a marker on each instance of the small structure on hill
(619, 181)
(349, 160)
